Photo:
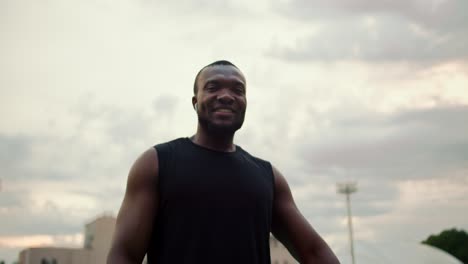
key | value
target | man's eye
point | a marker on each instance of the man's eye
(239, 89)
(211, 87)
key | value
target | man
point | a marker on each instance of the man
(204, 199)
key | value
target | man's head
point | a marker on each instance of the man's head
(220, 97)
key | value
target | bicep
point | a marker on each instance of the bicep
(136, 215)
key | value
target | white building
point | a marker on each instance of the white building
(97, 240)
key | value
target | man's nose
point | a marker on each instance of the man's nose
(225, 97)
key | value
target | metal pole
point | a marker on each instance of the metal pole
(347, 189)
(350, 227)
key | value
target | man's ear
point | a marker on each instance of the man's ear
(194, 102)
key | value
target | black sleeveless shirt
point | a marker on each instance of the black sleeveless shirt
(214, 207)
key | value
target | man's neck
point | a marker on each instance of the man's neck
(218, 142)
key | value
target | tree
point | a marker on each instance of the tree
(452, 241)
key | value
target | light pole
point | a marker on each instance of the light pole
(347, 189)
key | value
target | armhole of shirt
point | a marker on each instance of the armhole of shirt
(272, 175)
(161, 156)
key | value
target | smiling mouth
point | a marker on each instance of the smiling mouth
(224, 110)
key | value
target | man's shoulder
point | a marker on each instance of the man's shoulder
(253, 157)
(170, 144)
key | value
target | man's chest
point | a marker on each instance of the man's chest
(230, 182)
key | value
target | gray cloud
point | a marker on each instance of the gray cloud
(165, 104)
(50, 221)
(388, 41)
(22, 213)
(380, 150)
(376, 31)
(223, 8)
(404, 145)
(12, 149)
(448, 15)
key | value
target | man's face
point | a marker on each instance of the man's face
(221, 99)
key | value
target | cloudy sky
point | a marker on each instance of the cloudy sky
(360, 90)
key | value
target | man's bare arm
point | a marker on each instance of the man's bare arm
(293, 230)
(137, 213)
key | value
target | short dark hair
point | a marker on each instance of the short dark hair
(216, 63)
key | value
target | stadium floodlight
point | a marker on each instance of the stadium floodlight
(347, 189)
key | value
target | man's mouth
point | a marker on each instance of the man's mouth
(224, 110)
